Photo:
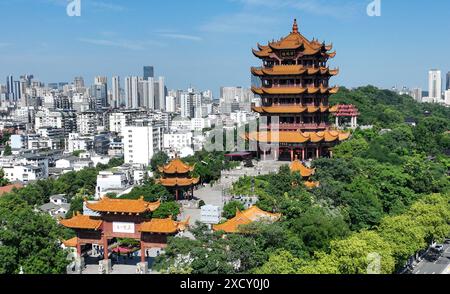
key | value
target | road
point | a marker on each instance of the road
(440, 266)
(214, 195)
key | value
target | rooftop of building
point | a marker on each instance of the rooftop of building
(163, 226)
(245, 217)
(176, 166)
(107, 205)
(10, 188)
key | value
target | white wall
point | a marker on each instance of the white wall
(140, 143)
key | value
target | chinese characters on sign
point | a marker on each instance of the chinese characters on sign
(119, 227)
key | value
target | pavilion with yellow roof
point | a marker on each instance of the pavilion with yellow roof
(253, 214)
(295, 89)
(121, 218)
(297, 167)
(176, 177)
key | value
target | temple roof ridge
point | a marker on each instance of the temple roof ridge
(176, 166)
(245, 217)
(123, 205)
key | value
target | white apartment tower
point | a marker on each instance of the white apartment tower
(162, 93)
(416, 93)
(171, 104)
(151, 93)
(131, 92)
(141, 143)
(187, 105)
(115, 100)
(435, 86)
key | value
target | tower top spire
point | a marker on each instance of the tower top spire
(295, 26)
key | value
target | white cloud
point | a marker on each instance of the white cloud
(181, 36)
(333, 8)
(85, 4)
(106, 6)
(124, 44)
(238, 23)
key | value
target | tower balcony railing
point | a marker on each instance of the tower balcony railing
(293, 104)
(300, 85)
(297, 126)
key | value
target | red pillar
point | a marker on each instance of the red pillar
(142, 252)
(78, 248)
(292, 154)
(317, 152)
(303, 154)
(105, 248)
(176, 193)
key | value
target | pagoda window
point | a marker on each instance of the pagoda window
(267, 83)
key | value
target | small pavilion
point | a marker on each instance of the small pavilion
(176, 178)
(253, 214)
(298, 167)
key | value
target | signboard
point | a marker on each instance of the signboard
(119, 227)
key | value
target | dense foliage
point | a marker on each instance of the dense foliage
(209, 165)
(152, 192)
(385, 108)
(385, 193)
(30, 239)
(3, 180)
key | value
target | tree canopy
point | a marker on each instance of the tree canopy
(382, 197)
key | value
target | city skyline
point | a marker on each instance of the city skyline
(149, 138)
(216, 40)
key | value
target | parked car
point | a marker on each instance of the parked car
(438, 248)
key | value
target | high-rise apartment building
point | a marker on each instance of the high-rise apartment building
(141, 142)
(416, 93)
(115, 92)
(171, 104)
(162, 92)
(17, 90)
(10, 87)
(187, 104)
(434, 85)
(148, 72)
(447, 84)
(78, 83)
(131, 92)
(151, 93)
(99, 92)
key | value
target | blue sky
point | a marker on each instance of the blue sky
(207, 43)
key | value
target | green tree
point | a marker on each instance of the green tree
(281, 262)
(317, 227)
(77, 153)
(7, 151)
(150, 191)
(158, 159)
(29, 239)
(167, 209)
(351, 148)
(353, 255)
(3, 180)
(229, 209)
(405, 236)
(432, 212)
(365, 208)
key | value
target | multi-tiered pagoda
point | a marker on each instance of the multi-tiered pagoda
(295, 87)
(176, 177)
